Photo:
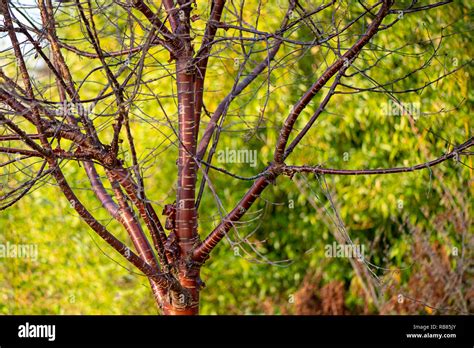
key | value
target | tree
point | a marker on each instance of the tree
(54, 115)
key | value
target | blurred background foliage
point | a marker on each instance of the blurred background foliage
(416, 227)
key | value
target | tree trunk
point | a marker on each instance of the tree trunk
(186, 216)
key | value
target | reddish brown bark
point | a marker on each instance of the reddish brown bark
(186, 216)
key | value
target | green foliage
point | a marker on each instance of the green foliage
(78, 273)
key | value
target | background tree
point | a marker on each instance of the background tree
(86, 84)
